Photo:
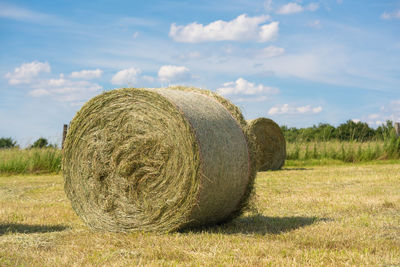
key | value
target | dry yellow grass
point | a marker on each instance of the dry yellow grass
(316, 216)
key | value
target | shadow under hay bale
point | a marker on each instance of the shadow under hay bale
(270, 144)
(260, 224)
(28, 228)
(156, 160)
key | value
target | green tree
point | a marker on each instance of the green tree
(325, 132)
(348, 131)
(352, 131)
(290, 134)
(7, 142)
(40, 143)
(385, 130)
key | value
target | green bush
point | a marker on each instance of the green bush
(42, 143)
(7, 143)
(348, 131)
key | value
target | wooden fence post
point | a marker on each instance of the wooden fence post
(65, 129)
(397, 128)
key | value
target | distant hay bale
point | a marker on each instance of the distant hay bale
(270, 143)
(156, 160)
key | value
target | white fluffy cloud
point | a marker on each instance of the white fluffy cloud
(126, 76)
(243, 28)
(268, 32)
(171, 73)
(86, 74)
(390, 111)
(60, 89)
(286, 109)
(243, 87)
(65, 90)
(292, 8)
(26, 72)
(272, 51)
(391, 15)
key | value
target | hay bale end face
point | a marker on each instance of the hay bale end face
(270, 144)
(156, 160)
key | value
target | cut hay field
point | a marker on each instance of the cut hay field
(312, 216)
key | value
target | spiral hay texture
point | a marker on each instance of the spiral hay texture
(270, 143)
(156, 160)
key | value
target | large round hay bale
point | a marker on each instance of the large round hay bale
(270, 143)
(156, 160)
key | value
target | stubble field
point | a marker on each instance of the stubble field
(313, 216)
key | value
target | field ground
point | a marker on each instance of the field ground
(311, 216)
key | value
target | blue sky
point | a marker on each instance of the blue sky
(297, 62)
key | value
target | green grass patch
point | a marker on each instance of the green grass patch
(334, 152)
(35, 160)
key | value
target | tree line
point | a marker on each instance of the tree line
(348, 131)
(8, 142)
